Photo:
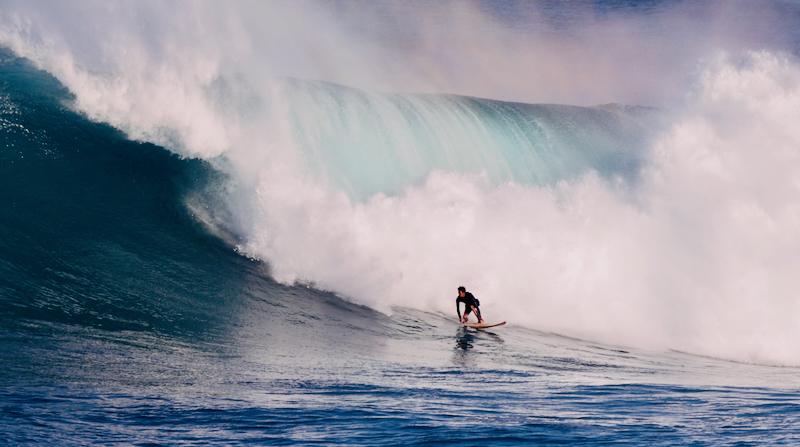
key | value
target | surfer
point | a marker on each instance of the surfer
(470, 305)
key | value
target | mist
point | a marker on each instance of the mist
(579, 52)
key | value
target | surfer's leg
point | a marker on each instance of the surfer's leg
(478, 314)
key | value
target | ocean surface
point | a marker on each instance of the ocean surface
(245, 224)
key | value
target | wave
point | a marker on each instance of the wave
(672, 228)
(93, 227)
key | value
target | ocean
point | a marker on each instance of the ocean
(238, 223)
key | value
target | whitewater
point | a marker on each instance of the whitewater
(245, 223)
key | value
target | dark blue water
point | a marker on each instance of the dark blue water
(124, 322)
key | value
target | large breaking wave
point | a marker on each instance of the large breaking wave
(671, 228)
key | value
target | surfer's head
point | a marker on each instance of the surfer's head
(461, 291)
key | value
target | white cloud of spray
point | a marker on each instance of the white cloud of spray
(133, 67)
(576, 52)
(704, 261)
(724, 192)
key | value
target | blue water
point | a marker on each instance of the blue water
(126, 319)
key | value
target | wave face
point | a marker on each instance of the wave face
(367, 143)
(668, 228)
(94, 230)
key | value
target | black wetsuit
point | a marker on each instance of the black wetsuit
(468, 301)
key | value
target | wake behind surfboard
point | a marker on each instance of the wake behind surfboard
(482, 325)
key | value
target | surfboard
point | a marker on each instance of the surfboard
(482, 325)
